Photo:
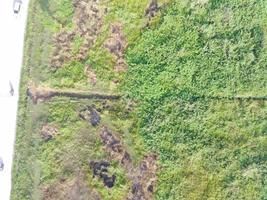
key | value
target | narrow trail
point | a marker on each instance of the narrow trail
(43, 94)
(253, 98)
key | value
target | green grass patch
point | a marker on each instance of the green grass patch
(69, 76)
(204, 49)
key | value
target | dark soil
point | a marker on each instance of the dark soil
(91, 115)
(152, 9)
(100, 170)
(48, 132)
(143, 177)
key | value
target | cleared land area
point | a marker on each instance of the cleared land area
(180, 107)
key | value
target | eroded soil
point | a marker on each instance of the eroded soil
(38, 93)
(88, 23)
(142, 177)
(48, 132)
(76, 189)
(88, 19)
(116, 45)
(62, 52)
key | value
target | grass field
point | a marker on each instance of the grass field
(184, 74)
(193, 92)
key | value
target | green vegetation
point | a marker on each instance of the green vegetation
(186, 67)
(180, 73)
(70, 74)
(51, 169)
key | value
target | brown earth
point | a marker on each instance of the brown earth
(48, 132)
(116, 45)
(88, 20)
(76, 189)
(62, 52)
(90, 74)
(143, 177)
(91, 115)
(152, 9)
(37, 93)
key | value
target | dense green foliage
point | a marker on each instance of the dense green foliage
(181, 73)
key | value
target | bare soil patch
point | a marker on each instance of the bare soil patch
(91, 115)
(116, 45)
(37, 93)
(48, 132)
(152, 9)
(88, 20)
(100, 170)
(76, 189)
(62, 52)
(143, 177)
(90, 74)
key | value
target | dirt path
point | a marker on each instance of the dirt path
(41, 94)
(239, 98)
